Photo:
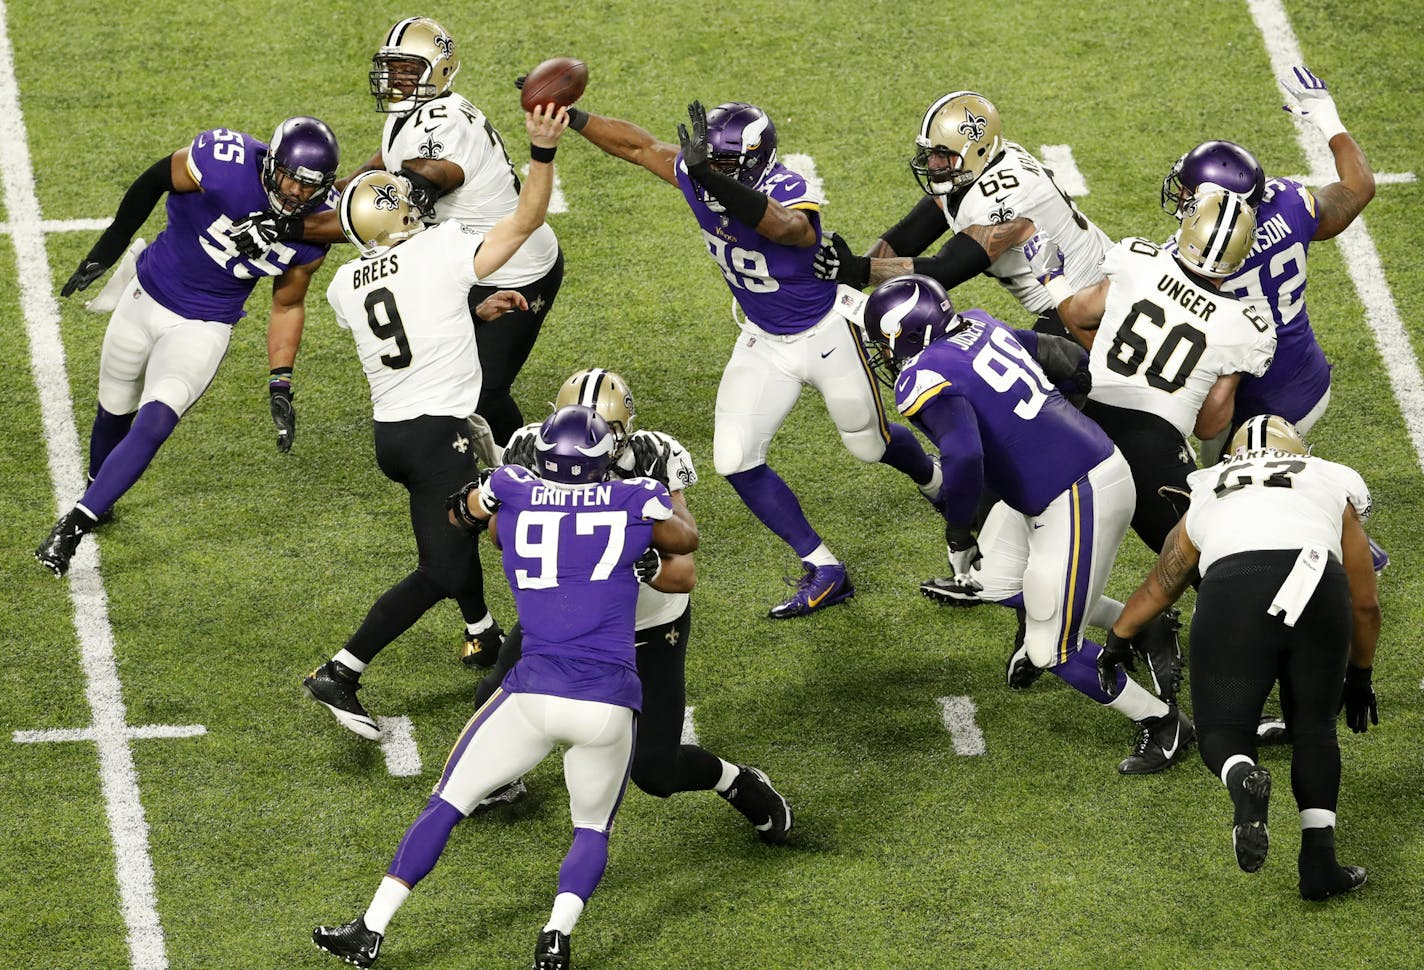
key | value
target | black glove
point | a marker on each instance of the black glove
(852, 270)
(253, 236)
(1116, 651)
(1082, 379)
(650, 456)
(1358, 699)
(284, 415)
(696, 152)
(89, 270)
(520, 450)
(648, 566)
(519, 81)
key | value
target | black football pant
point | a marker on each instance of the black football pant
(504, 345)
(1238, 652)
(1158, 456)
(662, 764)
(432, 457)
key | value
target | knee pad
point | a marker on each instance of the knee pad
(1043, 617)
(867, 443)
(730, 452)
(172, 392)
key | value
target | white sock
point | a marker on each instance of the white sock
(347, 659)
(821, 556)
(480, 626)
(1232, 762)
(1317, 818)
(1136, 703)
(567, 910)
(390, 894)
(930, 489)
(729, 775)
(1104, 613)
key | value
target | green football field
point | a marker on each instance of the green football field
(170, 797)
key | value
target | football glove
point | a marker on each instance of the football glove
(1116, 651)
(1045, 258)
(1358, 699)
(836, 261)
(284, 415)
(520, 450)
(253, 236)
(696, 151)
(1312, 101)
(89, 270)
(650, 455)
(648, 566)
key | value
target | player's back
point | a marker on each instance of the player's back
(1035, 443)
(407, 310)
(1166, 337)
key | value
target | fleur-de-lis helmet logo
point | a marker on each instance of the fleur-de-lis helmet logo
(973, 126)
(445, 43)
(386, 197)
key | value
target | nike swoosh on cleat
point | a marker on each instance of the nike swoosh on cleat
(816, 600)
(1176, 743)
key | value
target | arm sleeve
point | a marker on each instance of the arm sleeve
(958, 260)
(135, 207)
(913, 234)
(949, 422)
(1059, 357)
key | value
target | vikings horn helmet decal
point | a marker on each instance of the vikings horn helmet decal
(305, 151)
(902, 316)
(1213, 164)
(574, 446)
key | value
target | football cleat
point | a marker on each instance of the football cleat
(503, 795)
(753, 795)
(818, 587)
(352, 941)
(949, 591)
(1161, 743)
(335, 685)
(482, 649)
(1337, 879)
(1158, 647)
(1021, 673)
(1251, 794)
(56, 551)
(1272, 730)
(552, 951)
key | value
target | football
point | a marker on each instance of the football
(559, 79)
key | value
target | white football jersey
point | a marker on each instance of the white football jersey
(1271, 500)
(1164, 340)
(408, 311)
(1017, 185)
(654, 606)
(452, 129)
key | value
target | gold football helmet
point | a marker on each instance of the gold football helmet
(606, 393)
(1269, 432)
(376, 212)
(416, 63)
(961, 129)
(1217, 232)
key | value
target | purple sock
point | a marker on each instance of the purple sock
(423, 842)
(109, 429)
(583, 867)
(126, 462)
(772, 501)
(903, 453)
(1080, 671)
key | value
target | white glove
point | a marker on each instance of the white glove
(1045, 258)
(1313, 101)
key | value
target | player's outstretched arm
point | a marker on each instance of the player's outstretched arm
(625, 140)
(1338, 203)
(545, 126)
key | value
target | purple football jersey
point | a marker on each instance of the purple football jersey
(192, 268)
(775, 285)
(568, 555)
(1273, 281)
(1034, 444)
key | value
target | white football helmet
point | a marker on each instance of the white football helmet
(963, 127)
(1217, 232)
(376, 212)
(606, 393)
(416, 63)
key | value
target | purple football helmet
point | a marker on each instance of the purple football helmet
(902, 316)
(742, 140)
(1220, 163)
(305, 151)
(574, 446)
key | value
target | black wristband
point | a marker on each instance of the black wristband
(741, 202)
(960, 259)
(539, 154)
(577, 118)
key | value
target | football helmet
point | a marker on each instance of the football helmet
(963, 130)
(902, 316)
(742, 142)
(1269, 432)
(303, 150)
(416, 63)
(574, 446)
(376, 212)
(1217, 232)
(1213, 164)
(606, 393)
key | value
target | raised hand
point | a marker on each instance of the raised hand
(1312, 101)
(696, 151)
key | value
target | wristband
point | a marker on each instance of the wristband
(540, 154)
(577, 118)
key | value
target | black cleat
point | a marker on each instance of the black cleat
(753, 795)
(1161, 743)
(56, 551)
(1157, 645)
(948, 591)
(552, 951)
(352, 941)
(1343, 879)
(1251, 794)
(1021, 672)
(482, 649)
(335, 685)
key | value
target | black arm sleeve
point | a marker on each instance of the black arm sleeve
(1060, 357)
(137, 203)
(913, 234)
(742, 203)
(960, 259)
(418, 181)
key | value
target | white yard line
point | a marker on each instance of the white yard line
(399, 747)
(127, 825)
(64, 225)
(1362, 259)
(689, 730)
(958, 714)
